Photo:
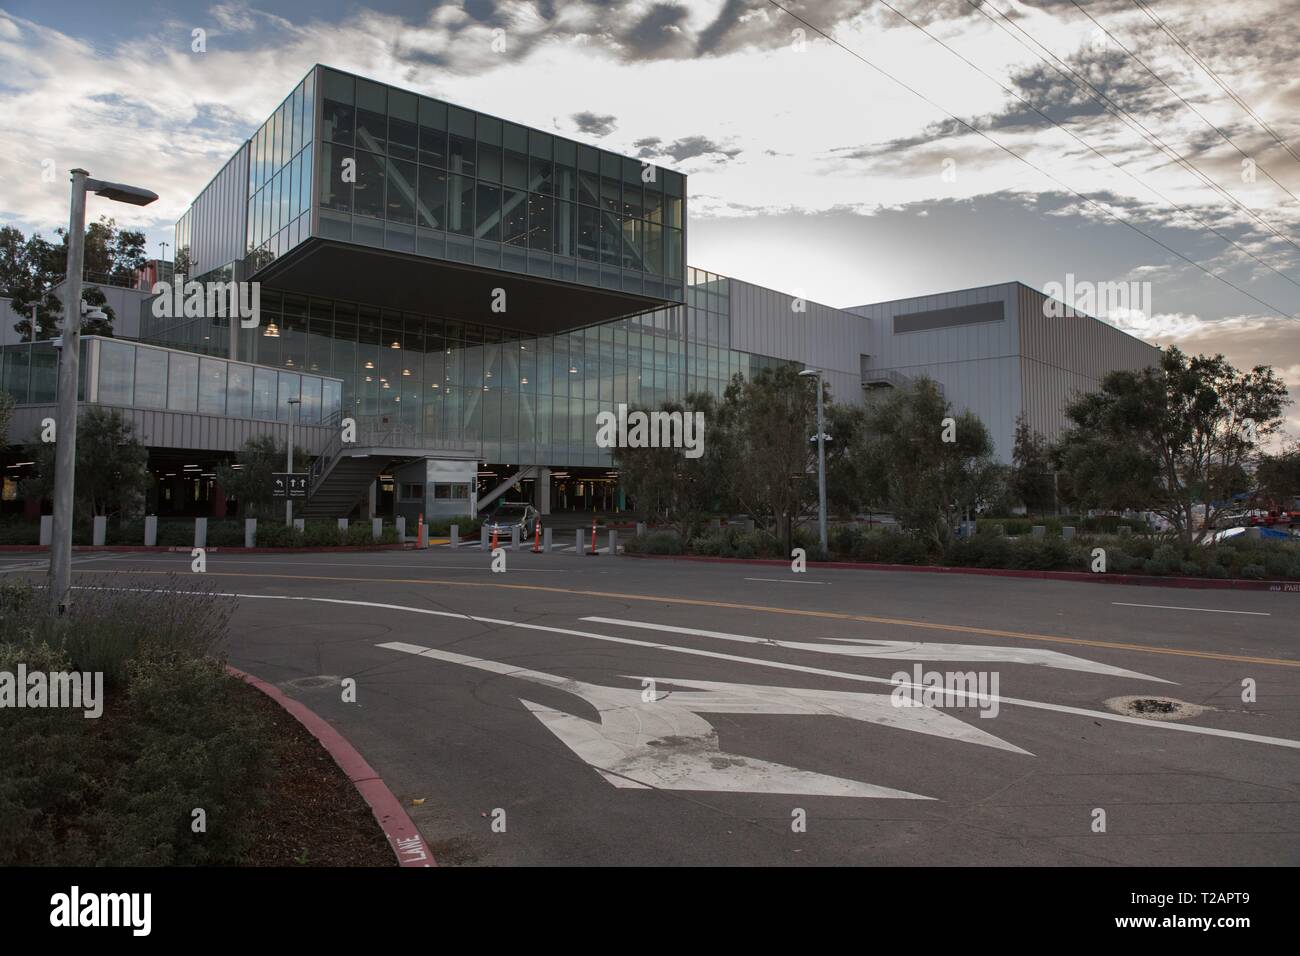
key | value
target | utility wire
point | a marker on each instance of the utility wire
(1124, 115)
(1010, 152)
(1217, 79)
(1226, 138)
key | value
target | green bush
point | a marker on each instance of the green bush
(656, 542)
(177, 734)
(321, 534)
(20, 531)
(187, 739)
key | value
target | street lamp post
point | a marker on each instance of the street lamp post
(288, 502)
(821, 460)
(65, 445)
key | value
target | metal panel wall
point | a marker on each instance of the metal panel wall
(218, 215)
(1061, 356)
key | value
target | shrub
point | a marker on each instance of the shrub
(1253, 571)
(656, 542)
(20, 531)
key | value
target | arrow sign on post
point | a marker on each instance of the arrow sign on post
(286, 484)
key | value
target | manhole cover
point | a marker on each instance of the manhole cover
(312, 683)
(1155, 708)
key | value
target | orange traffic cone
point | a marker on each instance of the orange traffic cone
(537, 537)
(494, 537)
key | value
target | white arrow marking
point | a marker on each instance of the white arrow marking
(665, 744)
(910, 650)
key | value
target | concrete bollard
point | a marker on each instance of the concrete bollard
(47, 530)
(200, 532)
(250, 532)
(613, 543)
(514, 538)
(300, 525)
(100, 531)
(455, 536)
(1254, 533)
(715, 524)
(376, 528)
(578, 548)
(1067, 533)
(749, 526)
(483, 538)
(546, 540)
(640, 528)
(343, 525)
(151, 531)
(401, 529)
(1039, 530)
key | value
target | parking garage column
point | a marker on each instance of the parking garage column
(542, 491)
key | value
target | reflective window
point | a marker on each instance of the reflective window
(265, 387)
(151, 379)
(433, 198)
(401, 191)
(368, 191)
(182, 382)
(433, 132)
(337, 119)
(403, 124)
(116, 372)
(489, 213)
(212, 387)
(372, 116)
(239, 391)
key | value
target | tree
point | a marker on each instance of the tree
(6, 415)
(1277, 476)
(1031, 470)
(664, 484)
(769, 466)
(1173, 438)
(249, 479)
(925, 465)
(30, 268)
(111, 473)
(846, 484)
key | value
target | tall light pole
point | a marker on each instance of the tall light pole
(65, 435)
(821, 459)
(288, 502)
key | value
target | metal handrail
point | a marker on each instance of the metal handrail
(372, 431)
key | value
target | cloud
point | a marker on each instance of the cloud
(591, 124)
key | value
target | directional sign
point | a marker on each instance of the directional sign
(286, 484)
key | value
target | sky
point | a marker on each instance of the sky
(848, 152)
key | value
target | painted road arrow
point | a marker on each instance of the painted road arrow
(662, 742)
(908, 650)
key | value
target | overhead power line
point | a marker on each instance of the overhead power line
(1209, 71)
(1010, 152)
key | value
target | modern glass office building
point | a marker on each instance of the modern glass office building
(471, 292)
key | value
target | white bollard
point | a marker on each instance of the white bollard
(100, 531)
(47, 530)
(578, 549)
(376, 528)
(1038, 530)
(613, 543)
(640, 528)
(455, 536)
(1067, 533)
(151, 531)
(514, 538)
(546, 540)
(250, 532)
(200, 532)
(483, 538)
(300, 524)
(401, 529)
(343, 525)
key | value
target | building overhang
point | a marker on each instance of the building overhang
(397, 280)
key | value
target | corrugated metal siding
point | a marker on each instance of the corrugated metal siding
(1061, 357)
(217, 229)
(764, 322)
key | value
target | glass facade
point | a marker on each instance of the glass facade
(29, 372)
(280, 168)
(413, 174)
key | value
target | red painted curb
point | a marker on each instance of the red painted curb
(408, 846)
(1148, 580)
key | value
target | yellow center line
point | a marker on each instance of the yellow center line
(702, 602)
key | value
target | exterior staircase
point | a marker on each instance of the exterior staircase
(342, 473)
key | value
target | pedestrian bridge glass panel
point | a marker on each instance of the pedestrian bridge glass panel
(134, 375)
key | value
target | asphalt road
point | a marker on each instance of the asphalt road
(611, 710)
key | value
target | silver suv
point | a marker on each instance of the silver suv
(509, 515)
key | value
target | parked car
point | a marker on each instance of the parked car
(508, 515)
